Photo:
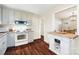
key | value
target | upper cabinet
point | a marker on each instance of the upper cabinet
(0, 14)
(66, 20)
(17, 15)
(24, 17)
(21, 15)
(11, 16)
(5, 15)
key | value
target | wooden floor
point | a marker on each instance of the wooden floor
(38, 47)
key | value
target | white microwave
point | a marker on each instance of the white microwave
(28, 22)
(21, 22)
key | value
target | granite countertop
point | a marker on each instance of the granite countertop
(2, 34)
(27, 30)
(21, 32)
(64, 34)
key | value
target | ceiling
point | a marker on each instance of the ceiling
(40, 9)
(34, 8)
(65, 14)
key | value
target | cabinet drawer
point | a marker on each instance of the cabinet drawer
(3, 47)
(11, 39)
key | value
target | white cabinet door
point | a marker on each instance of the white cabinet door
(30, 37)
(11, 16)
(0, 15)
(65, 46)
(5, 15)
(75, 46)
(17, 15)
(3, 45)
(23, 15)
(51, 42)
(11, 39)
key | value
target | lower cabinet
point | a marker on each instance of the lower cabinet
(11, 39)
(63, 45)
(75, 46)
(30, 37)
(51, 42)
(3, 44)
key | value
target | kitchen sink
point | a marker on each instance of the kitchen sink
(62, 32)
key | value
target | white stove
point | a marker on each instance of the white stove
(21, 38)
(21, 33)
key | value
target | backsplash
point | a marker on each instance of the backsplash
(21, 28)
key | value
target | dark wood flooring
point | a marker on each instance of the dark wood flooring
(38, 47)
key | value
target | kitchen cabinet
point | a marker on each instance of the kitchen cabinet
(11, 39)
(53, 45)
(17, 15)
(3, 44)
(75, 46)
(0, 14)
(29, 23)
(65, 47)
(23, 16)
(51, 42)
(5, 14)
(30, 36)
(11, 16)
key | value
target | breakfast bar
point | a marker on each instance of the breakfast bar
(63, 43)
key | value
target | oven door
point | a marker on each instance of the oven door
(21, 37)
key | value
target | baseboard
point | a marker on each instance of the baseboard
(11, 47)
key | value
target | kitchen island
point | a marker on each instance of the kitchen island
(63, 43)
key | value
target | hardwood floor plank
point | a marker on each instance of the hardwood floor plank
(38, 47)
(26, 51)
(41, 49)
(40, 53)
(35, 50)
